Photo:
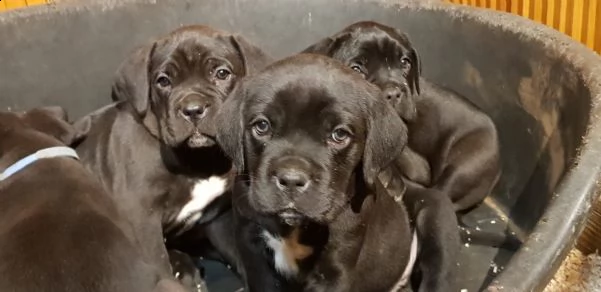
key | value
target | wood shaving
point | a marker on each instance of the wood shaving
(578, 273)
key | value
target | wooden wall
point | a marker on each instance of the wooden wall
(580, 19)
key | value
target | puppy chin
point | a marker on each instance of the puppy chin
(199, 140)
(188, 137)
(292, 217)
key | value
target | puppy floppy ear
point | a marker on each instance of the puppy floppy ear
(253, 58)
(386, 138)
(415, 72)
(131, 80)
(416, 63)
(230, 127)
(408, 110)
(329, 45)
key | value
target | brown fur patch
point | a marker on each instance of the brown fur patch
(296, 251)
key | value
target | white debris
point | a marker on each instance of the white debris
(495, 268)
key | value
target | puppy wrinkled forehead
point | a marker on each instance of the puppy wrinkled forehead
(324, 90)
(194, 49)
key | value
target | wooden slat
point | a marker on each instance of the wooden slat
(12, 4)
(526, 12)
(597, 32)
(576, 17)
(591, 22)
(538, 10)
(36, 2)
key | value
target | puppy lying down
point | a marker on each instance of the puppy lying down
(59, 229)
(309, 137)
(453, 146)
(452, 140)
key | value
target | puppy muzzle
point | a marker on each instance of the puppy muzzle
(198, 112)
(400, 97)
(395, 92)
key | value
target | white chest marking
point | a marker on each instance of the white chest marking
(283, 264)
(203, 193)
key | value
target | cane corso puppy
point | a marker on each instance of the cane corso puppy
(310, 138)
(59, 229)
(155, 147)
(448, 137)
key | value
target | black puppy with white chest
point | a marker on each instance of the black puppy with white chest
(155, 146)
(453, 146)
(310, 138)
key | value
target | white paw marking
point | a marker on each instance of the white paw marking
(283, 264)
(203, 193)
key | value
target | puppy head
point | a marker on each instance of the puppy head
(381, 54)
(303, 131)
(22, 133)
(177, 84)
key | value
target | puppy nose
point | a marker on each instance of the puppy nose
(195, 109)
(392, 93)
(290, 179)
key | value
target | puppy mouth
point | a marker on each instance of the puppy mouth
(291, 217)
(198, 140)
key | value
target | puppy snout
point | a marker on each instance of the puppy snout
(291, 174)
(290, 179)
(195, 108)
(392, 93)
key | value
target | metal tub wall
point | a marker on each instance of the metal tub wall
(540, 88)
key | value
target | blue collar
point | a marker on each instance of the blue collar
(60, 151)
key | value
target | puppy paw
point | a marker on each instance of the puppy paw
(186, 272)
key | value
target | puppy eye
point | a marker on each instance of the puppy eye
(359, 69)
(340, 136)
(163, 81)
(222, 74)
(261, 127)
(406, 62)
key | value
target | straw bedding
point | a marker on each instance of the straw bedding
(578, 273)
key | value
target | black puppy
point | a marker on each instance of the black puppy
(453, 146)
(310, 138)
(59, 229)
(155, 147)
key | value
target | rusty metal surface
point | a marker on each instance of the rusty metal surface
(541, 88)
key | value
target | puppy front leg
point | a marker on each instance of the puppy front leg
(221, 234)
(413, 166)
(438, 236)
